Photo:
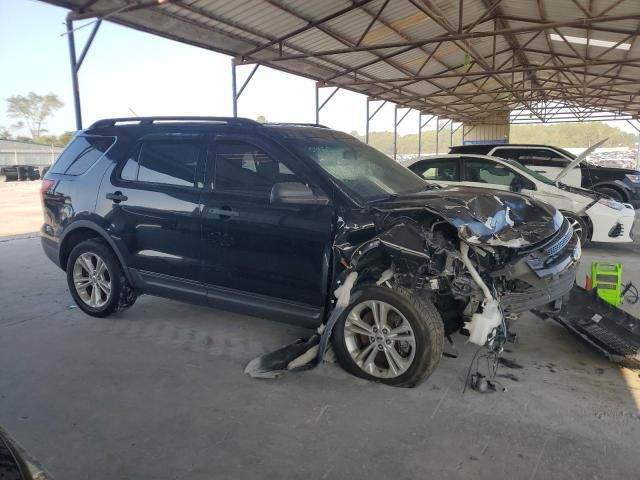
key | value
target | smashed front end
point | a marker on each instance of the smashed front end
(481, 257)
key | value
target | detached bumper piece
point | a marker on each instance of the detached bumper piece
(616, 334)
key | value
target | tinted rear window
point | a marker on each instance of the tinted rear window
(167, 162)
(82, 153)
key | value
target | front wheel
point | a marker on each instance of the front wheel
(390, 336)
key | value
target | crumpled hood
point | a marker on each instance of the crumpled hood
(481, 216)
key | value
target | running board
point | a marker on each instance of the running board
(611, 331)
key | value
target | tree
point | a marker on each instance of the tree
(5, 134)
(33, 110)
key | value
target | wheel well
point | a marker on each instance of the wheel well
(73, 239)
(610, 186)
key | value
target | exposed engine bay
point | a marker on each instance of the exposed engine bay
(482, 263)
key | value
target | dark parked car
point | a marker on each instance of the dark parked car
(13, 173)
(618, 183)
(270, 219)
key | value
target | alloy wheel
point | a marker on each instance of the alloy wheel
(379, 339)
(576, 226)
(92, 280)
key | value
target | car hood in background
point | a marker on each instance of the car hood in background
(485, 217)
(576, 161)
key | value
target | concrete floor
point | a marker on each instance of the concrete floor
(158, 392)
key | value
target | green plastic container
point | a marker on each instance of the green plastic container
(606, 278)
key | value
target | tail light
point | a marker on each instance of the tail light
(46, 186)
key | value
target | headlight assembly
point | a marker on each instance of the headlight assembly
(611, 203)
(633, 177)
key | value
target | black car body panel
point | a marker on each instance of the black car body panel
(593, 177)
(210, 240)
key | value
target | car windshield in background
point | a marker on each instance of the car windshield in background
(361, 169)
(533, 173)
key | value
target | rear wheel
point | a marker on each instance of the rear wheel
(95, 279)
(390, 336)
(579, 226)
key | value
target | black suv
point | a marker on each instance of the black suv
(621, 184)
(270, 220)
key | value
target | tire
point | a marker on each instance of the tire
(417, 361)
(613, 193)
(579, 226)
(82, 284)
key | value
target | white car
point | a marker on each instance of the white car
(593, 216)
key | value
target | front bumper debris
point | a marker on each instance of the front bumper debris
(611, 331)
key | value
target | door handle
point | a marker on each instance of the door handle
(224, 212)
(117, 197)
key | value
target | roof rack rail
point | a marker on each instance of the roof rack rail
(110, 122)
(298, 124)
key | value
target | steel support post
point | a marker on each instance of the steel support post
(234, 84)
(395, 132)
(234, 95)
(451, 134)
(320, 106)
(420, 127)
(419, 133)
(366, 128)
(317, 122)
(396, 123)
(76, 63)
(370, 117)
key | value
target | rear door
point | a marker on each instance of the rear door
(270, 252)
(443, 171)
(152, 203)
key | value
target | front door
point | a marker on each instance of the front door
(252, 246)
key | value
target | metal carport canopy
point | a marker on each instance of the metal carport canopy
(466, 60)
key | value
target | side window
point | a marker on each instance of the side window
(536, 157)
(443, 170)
(485, 171)
(81, 154)
(165, 162)
(244, 168)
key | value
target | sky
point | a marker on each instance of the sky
(128, 71)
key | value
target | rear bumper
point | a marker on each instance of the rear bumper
(51, 250)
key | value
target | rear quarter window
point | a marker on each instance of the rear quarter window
(81, 154)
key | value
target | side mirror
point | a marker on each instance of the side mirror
(295, 193)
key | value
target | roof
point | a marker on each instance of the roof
(466, 60)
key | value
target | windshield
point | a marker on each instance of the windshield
(534, 174)
(364, 171)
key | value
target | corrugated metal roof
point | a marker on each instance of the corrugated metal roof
(464, 60)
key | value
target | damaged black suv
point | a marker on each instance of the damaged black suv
(301, 224)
